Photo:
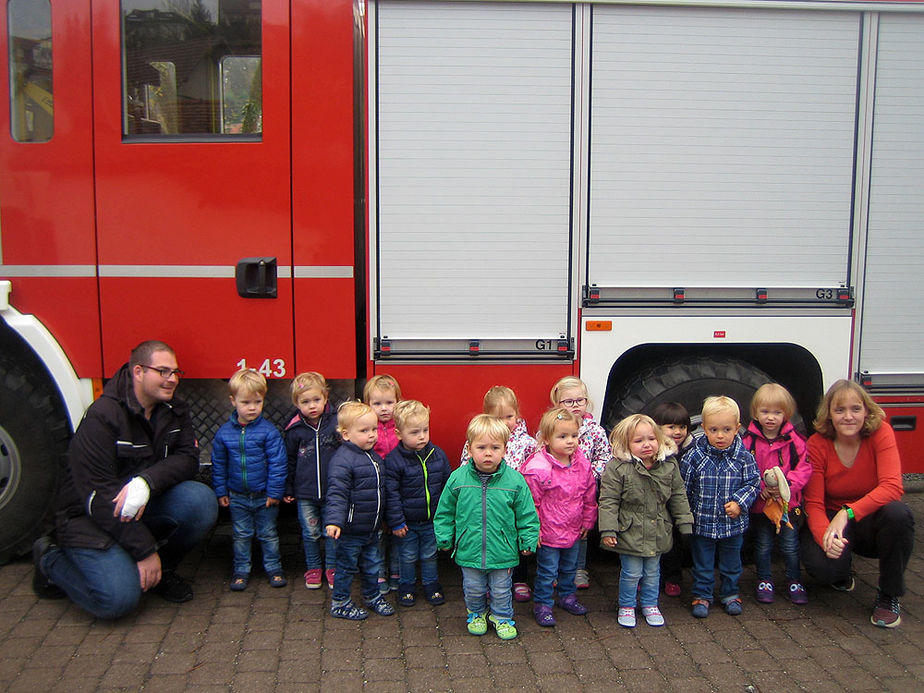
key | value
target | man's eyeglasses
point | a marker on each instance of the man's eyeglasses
(165, 373)
(577, 402)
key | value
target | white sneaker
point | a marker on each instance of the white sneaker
(581, 579)
(626, 617)
(652, 616)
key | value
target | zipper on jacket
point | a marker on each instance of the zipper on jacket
(317, 454)
(378, 490)
(244, 460)
(423, 463)
(484, 523)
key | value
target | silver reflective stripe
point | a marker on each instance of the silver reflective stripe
(171, 271)
(90, 503)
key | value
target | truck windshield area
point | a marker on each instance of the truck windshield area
(31, 96)
(192, 68)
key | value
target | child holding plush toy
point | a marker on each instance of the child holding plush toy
(780, 454)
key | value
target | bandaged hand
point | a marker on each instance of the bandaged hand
(137, 493)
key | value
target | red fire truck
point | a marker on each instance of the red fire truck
(667, 199)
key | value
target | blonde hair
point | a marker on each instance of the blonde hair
(487, 426)
(569, 381)
(770, 394)
(349, 412)
(306, 381)
(249, 381)
(874, 414)
(718, 404)
(552, 418)
(622, 435)
(499, 396)
(383, 382)
(408, 411)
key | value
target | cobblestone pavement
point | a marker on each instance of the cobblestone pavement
(283, 639)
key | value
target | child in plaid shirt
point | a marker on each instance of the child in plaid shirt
(722, 482)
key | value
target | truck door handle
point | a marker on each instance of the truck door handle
(904, 423)
(256, 277)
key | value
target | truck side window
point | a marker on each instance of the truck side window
(31, 101)
(192, 68)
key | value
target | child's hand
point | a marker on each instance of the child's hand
(399, 532)
(584, 533)
(270, 502)
(732, 509)
(527, 552)
(765, 493)
(333, 531)
(610, 542)
(224, 501)
(288, 499)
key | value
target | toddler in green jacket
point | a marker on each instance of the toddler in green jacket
(487, 517)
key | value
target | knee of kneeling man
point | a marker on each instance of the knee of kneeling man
(118, 604)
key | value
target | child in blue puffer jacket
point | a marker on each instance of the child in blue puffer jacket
(249, 476)
(354, 509)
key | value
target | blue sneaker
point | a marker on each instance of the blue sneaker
(700, 608)
(381, 607)
(733, 607)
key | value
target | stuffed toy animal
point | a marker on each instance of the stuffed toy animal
(777, 506)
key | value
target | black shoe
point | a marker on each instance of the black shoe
(434, 594)
(41, 584)
(173, 588)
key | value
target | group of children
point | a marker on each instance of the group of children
(370, 471)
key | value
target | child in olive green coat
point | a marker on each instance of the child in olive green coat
(642, 496)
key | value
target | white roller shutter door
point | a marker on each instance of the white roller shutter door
(892, 331)
(472, 141)
(721, 147)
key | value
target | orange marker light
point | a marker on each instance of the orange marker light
(599, 326)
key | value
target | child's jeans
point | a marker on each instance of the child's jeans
(636, 569)
(249, 516)
(764, 532)
(704, 551)
(475, 584)
(555, 564)
(418, 543)
(389, 555)
(356, 553)
(309, 517)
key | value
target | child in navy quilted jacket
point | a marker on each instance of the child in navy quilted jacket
(249, 476)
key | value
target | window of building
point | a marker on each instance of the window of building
(192, 68)
(32, 108)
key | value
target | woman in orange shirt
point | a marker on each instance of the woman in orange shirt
(852, 500)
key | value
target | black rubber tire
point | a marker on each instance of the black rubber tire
(34, 433)
(687, 381)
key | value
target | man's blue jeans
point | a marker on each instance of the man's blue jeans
(250, 515)
(356, 553)
(634, 570)
(704, 551)
(764, 533)
(309, 517)
(105, 582)
(418, 543)
(477, 582)
(555, 564)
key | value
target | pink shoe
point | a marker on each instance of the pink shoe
(329, 574)
(521, 592)
(313, 579)
(672, 589)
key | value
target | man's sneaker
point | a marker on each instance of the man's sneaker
(434, 594)
(381, 607)
(329, 574)
(313, 579)
(652, 616)
(505, 627)
(581, 579)
(477, 625)
(572, 605)
(672, 589)
(521, 592)
(383, 585)
(700, 608)
(626, 616)
(845, 585)
(765, 591)
(41, 583)
(173, 588)
(797, 593)
(543, 614)
(349, 610)
(733, 607)
(886, 611)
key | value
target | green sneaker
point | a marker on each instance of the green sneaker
(505, 627)
(476, 623)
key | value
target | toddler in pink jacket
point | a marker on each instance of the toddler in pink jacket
(563, 487)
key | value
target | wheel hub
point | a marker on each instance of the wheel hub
(10, 467)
